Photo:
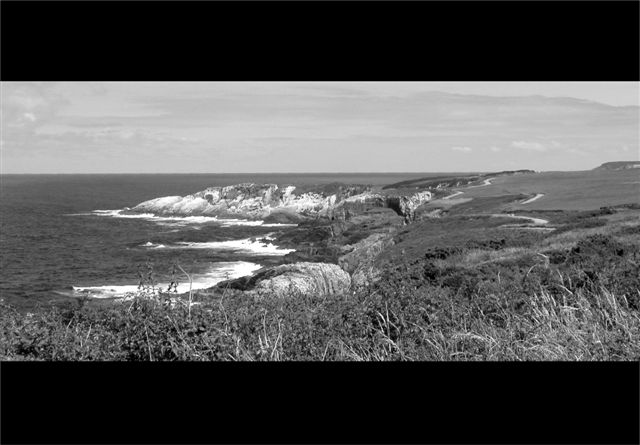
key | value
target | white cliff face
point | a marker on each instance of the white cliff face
(363, 198)
(245, 200)
(257, 201)
(173, 205)
(408, 205)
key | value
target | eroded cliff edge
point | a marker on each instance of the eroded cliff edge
(284, 203)
(340, 229)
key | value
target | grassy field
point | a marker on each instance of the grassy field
(469, 279)
(585, 190)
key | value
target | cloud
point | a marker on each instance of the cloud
(108, 141)
(241, 122)
(577, 151)
(533, 146)
(543, 147)
(556, 144)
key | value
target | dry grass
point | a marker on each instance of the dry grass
(577, 327)
(567, 240)
(482, 295)
(479, 256)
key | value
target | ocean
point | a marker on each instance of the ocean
(61, 236)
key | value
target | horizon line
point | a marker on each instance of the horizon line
(300, 173)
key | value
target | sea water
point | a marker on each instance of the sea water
(64, 236)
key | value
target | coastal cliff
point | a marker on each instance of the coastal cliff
(287, 203)
(618, 165)
(341, 229)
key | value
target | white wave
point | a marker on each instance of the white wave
(247, 245)
(106, 291)
(184, 220)
(119, 214)
(152, 245)
(221, 272)
(238, 222)
(246, 222)
(153, 217)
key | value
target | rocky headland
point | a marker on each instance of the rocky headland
(340, 229)
(283, 203)
(618, 165)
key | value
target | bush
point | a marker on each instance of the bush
(471, 294)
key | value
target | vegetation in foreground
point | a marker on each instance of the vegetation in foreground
(498, 293)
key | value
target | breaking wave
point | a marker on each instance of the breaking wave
(248, 245)
(183, 220)
(222, 271)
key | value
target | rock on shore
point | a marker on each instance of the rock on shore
(250, 201)
(338, 223)
(304, 278)
(365, 251)
(274, 203)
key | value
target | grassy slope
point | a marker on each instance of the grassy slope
(465, 286)
(567, 190)
(453, 289)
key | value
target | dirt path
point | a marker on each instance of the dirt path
(484, 184)
(454, 195)
(530, 200)
(536, 221)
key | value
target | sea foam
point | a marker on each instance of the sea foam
(246, 245)
(184, 220)
(222, 271)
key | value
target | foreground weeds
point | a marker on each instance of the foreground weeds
(428, 323)
(498, 298)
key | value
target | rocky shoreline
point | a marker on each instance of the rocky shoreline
(284, 203)
(341, 228)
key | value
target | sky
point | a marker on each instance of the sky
(259, 127)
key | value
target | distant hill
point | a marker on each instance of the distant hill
(459, 180)
(619, 165)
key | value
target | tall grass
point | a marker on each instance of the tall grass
(491, 296)
(579, 324)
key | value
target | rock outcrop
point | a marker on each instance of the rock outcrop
(314, 279)
(365, 251)
(250, 201)
(326, 241)
(407, 205)
(337, 223)
(360, 261)
(274, 203)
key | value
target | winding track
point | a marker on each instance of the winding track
(454, 195)
(535, 221)
(484, 184)
(538, 196)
